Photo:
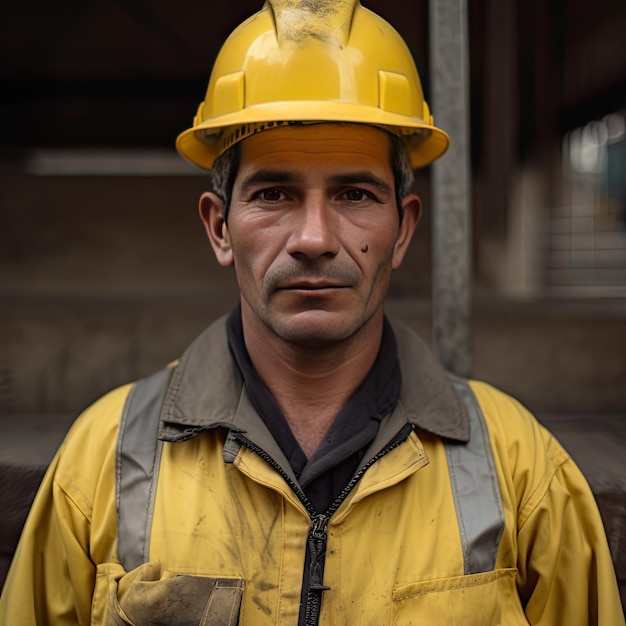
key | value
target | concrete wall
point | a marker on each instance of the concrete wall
(60, 354)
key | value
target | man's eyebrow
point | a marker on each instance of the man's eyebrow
(263, 177)
(365, 177)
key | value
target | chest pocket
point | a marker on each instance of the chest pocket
(473, 600)
(148, 597)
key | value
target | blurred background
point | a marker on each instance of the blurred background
(105, 273)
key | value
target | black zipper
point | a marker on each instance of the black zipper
(318, 537)
(318, 533)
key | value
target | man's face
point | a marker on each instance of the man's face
(313, 231)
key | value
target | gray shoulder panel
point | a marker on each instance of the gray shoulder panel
(476, 489)
(137, 461)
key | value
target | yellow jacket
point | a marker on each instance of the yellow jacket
(227, 533)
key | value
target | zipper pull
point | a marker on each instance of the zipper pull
(317, 546)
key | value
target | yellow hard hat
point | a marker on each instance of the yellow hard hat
(312, 61)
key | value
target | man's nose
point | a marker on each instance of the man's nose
(314, 228)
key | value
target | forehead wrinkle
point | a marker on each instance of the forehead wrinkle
(286, 148)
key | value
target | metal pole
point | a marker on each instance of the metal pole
(452, 272)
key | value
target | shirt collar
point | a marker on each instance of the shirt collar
(206, 389)
(356, 424)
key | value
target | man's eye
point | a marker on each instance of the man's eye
(270, 195)
(356, 195)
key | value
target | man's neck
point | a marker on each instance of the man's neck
(312, 383)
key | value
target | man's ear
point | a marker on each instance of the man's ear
(211, 208)
(412, 210)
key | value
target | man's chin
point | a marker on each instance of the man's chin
(317, 328)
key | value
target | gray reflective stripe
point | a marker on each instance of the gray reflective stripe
(475, 487)
(137, 461)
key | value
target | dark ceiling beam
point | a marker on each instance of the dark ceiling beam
(150, 21)
(47, 113)
(16, 90)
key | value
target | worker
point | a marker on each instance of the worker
(307, 460)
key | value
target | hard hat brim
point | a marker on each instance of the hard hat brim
(203, 143)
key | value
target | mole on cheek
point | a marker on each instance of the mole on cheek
(364, 248)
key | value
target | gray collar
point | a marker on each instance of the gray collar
(428, 397)
(206, 390)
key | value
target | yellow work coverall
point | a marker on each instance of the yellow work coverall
(228, 532)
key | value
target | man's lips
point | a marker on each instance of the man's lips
(311, 286)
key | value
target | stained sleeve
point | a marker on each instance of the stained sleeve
(51, 577)
(565, 571)
(71, 526)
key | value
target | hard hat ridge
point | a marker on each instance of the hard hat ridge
(322, 19)
(308, 61)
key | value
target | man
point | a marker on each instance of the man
(307, 461)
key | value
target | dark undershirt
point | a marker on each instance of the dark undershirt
(337, 459)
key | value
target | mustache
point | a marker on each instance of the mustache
(286, 274)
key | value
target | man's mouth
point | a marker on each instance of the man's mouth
(311, 286)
